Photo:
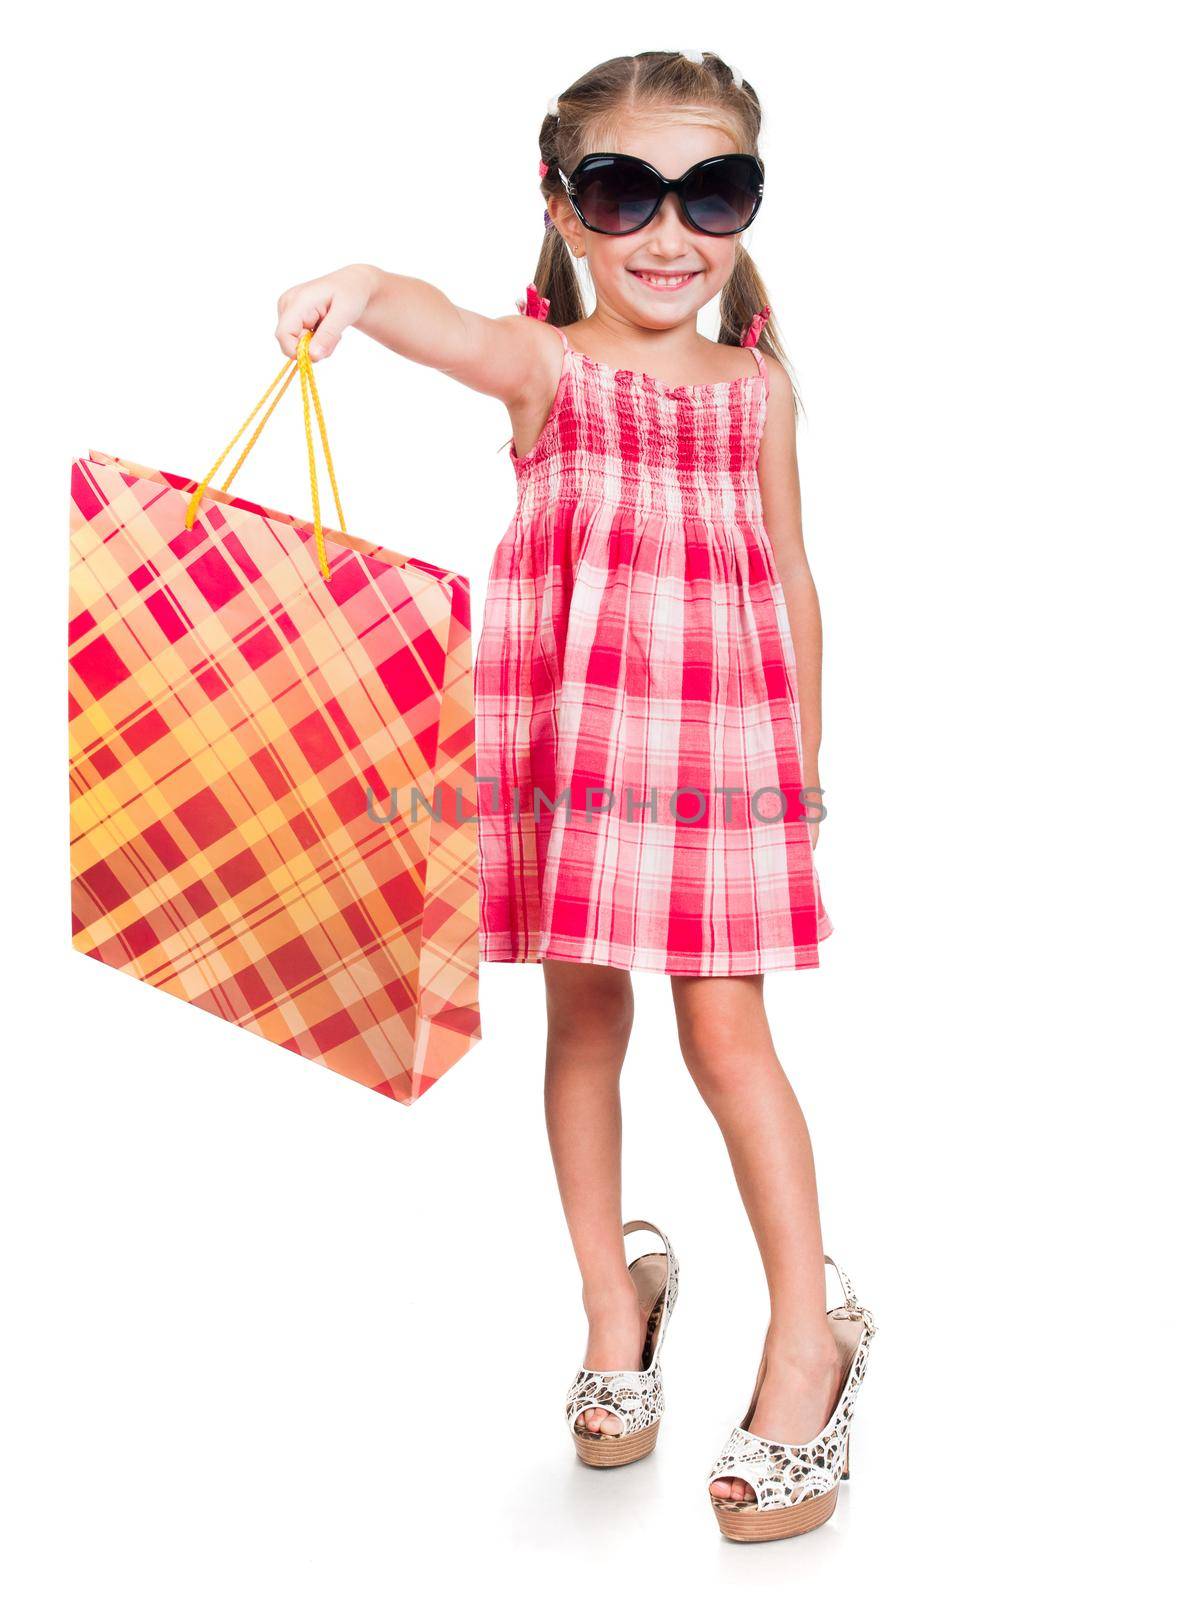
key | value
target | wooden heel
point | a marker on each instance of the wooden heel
(744, 1524)
(607, 1450)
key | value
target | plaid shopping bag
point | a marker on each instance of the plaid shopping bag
(272, 767)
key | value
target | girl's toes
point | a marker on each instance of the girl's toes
(597, 1420)
(732, 1489)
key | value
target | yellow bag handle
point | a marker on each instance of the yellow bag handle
(301, 363)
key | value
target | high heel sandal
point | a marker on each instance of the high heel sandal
(796, 1485)
(634, 1396)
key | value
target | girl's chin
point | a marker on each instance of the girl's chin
(665, 308)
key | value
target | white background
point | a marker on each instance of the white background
(272, 1335)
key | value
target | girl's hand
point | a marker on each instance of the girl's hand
(514, 358)
(330, 305)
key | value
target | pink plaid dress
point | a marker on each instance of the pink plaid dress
(639, 751)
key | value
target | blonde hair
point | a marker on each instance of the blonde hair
(588, 113)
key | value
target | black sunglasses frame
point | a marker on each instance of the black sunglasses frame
(666, 186)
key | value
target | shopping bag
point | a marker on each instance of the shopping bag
(272, 766)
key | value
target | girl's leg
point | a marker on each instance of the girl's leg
(725, 1039)
(590, 1011)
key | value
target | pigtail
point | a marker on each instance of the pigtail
(555, 273)
(555, 279)
(741, 298)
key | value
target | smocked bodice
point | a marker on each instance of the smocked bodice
(624, 438)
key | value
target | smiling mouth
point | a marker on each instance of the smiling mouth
(664, 280)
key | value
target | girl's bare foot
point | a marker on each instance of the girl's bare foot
(798, 1395)
(616, 1333)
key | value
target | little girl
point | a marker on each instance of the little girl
(647, 686)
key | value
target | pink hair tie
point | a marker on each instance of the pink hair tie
(756, 327)
(543, 167)
(534, 305)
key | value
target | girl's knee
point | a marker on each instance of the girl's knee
(589, 1002)
(723, 1050)
(724, 1070)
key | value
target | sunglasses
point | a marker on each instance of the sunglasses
(620, 194)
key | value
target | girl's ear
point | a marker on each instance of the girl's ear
(569, 225)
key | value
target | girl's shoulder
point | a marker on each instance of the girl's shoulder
(533, 308)
(535, 351)
(538, 398)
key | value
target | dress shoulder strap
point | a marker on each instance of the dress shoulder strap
(534, 305)
(749, 342)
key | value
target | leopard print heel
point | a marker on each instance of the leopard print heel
(796, 1485)
(636, 1397)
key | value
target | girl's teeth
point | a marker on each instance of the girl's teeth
(665, 280)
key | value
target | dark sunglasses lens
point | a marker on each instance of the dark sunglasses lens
(616, 196)
(722, 196)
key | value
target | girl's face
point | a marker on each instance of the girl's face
(660, 276)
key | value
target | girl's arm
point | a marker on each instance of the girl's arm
(782, 503)
(514, 358)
